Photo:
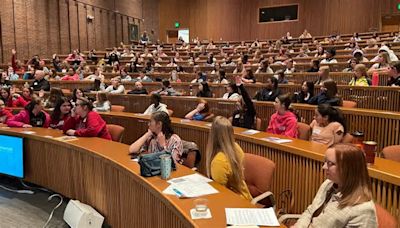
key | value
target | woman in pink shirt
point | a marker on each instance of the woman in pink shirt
(284, 121)
(32, 116)
(328, 126)
(71, 75)
(12, 99)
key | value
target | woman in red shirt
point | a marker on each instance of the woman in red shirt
(61, 112)
(12, 100)
(5, 114)
(85, 122)
(32, 116)
(27, 94)
(284, 121)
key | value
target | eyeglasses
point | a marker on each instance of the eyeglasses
(329, 163)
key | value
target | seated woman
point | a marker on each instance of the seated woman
(360, 76)
(204, 90)
(85, 122)
(32, 116)
(76, 93)
(27, 93)
(201, 112)
(222, 77)
(232, 92)
(314, 66)
(245, 113)
(159, 137)
(71, 75)
(352, 65)
(248, 77)
(282, 77)
(156, 105)
(116, 87)
(270, 92)
(283, 121)
(102, 104)
(328, 126)
(306, 93)
(54, 96)
(167, 89)
(345, 197)
(383, 64)
(328, 95)
(10, 99)
(61, 112)
(264, 68)
(5, 114)
(224, 158)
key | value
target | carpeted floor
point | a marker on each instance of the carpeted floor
(25, 210)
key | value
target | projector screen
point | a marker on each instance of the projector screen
(11, 156)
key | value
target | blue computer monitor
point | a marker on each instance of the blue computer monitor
(11, 156)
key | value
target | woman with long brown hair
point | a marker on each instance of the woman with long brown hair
(345, 198)
(224, 158)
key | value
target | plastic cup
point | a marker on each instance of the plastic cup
(201, 205)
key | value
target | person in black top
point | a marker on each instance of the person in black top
(204, 90)
(4, 81)
(314, 66)
(328, 95)
(40, 83)
(394, 74)
(138, 89)
(306, 93)
(244, 115)
(248, 76)
(270, 92)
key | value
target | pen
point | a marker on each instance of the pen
(178, 193)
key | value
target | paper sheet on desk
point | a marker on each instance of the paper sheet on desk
(250, 132)
(191, 189)
(251, 216)
(28, 132)
(277, 140)
(191, 178)
(66, 138)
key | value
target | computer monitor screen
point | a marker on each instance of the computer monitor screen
(11, 156)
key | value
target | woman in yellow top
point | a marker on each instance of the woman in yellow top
(225, 158)
(360, 76)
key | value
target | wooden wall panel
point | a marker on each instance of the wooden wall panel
(82, 22)
(238, 19)
(21, 38)
(91, 28)
(7, 27)
(46, 27)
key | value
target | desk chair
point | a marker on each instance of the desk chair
(117, 108)
(257, 124)
(304, 131)
(349, 104)
(258, 173)
(392, 153)
(347, 138)
(116, 132)
(170, 112)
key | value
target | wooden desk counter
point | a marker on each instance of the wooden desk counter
(100, 173)
(298, 164)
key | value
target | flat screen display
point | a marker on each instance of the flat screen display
(11, 156)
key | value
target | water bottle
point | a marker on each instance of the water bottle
(375, 78)
(165, 166)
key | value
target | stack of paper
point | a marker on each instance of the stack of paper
(193, 185)
(250, 132)
(277, 140)
(251, 217)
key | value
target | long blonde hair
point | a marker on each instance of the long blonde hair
(221, 140)
(352, 168)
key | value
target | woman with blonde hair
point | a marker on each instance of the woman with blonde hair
(383, 63)
(224, 158)
(345, 198)
(360, 76)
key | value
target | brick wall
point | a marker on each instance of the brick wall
(46, 27)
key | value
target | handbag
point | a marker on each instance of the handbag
(150, 164)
